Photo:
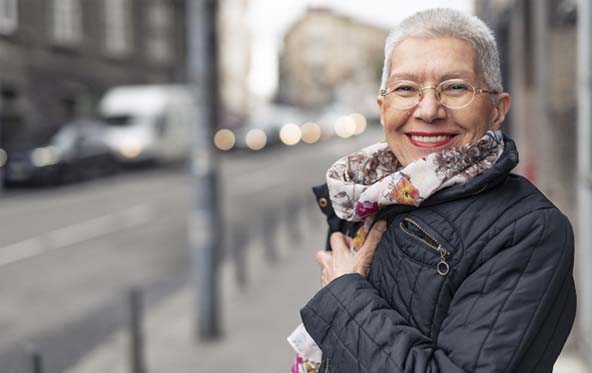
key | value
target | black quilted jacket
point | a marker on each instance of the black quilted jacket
(506, 304)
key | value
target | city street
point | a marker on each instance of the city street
(103, 237)
(69, 255)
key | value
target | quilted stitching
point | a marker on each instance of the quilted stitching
(384, 323)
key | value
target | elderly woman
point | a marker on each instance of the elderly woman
(442, 260)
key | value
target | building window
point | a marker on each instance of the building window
(66, 21)
(118, 37)
(160, 27)
(8, 16)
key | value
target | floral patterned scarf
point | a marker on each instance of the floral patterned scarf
(362, 183)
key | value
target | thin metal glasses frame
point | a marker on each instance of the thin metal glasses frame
(476, 91)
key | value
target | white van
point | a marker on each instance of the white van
(149, 123)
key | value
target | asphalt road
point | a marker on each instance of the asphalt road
(69, 255)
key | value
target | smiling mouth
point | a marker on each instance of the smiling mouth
(429, 140)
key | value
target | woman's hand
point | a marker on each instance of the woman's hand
(342, 260)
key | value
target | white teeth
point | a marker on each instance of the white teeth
(430, 138)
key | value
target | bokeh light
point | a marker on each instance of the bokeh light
(345, 126)
(224, 139)
(290, 134)
(311, 132)
(256, 139)
(361, 123)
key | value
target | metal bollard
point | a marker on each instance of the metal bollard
(269, 227)
(293, 213)
(36, 359)
(239, 256)
(136, 335)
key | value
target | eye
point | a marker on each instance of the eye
(405, 89)
(455, 86)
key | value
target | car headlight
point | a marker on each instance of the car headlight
(131, 148)
(45, 156)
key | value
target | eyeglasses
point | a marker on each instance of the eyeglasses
(453, 93)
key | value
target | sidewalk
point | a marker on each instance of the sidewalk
(570, 363)
(256, 320)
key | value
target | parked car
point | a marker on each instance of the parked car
(149, 123)
(75, 151)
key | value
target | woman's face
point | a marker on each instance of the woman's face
(429, 127)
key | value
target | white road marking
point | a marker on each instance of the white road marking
(80, 232)
(21, 250)
(76, 233)
(137, 215)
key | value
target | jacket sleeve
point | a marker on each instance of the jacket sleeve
(512, 313)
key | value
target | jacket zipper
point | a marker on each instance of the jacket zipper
(442, 268)
(327, 366)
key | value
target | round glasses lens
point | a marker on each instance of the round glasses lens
(403, 95)
(456, 93)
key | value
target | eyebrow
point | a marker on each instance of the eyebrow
(465, 74)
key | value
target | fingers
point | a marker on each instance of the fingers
(349, 241)
(324, 258)
(366, 252)
(374, 238)
(324, 278)
(339, 243)
(342, 261)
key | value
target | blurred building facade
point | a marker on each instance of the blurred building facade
(57, 57)
(538, 40)
(538, 45)
(234, 61)
(327, 57)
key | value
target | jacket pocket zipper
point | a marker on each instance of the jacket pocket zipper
(442, 268)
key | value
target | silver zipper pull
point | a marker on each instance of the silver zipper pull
(442, 267)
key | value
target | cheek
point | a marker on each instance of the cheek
(392, 132)
(394, 125)
(472, 123)
(479, 120)
(393, 121)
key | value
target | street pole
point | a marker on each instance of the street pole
(205, 223)
(3, 153)
(136, 334)
(584, 175)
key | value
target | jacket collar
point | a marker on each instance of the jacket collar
(483, 182)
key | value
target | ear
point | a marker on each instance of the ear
(500, 110)
(380, 102)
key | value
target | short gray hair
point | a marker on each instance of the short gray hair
(443, 22)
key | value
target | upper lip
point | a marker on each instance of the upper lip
(430, 134)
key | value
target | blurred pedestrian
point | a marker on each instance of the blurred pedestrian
(442, 260)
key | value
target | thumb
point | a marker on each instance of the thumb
(373, 238)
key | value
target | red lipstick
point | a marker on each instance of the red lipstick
(430, 139)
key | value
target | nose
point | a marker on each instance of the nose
(429, 107)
